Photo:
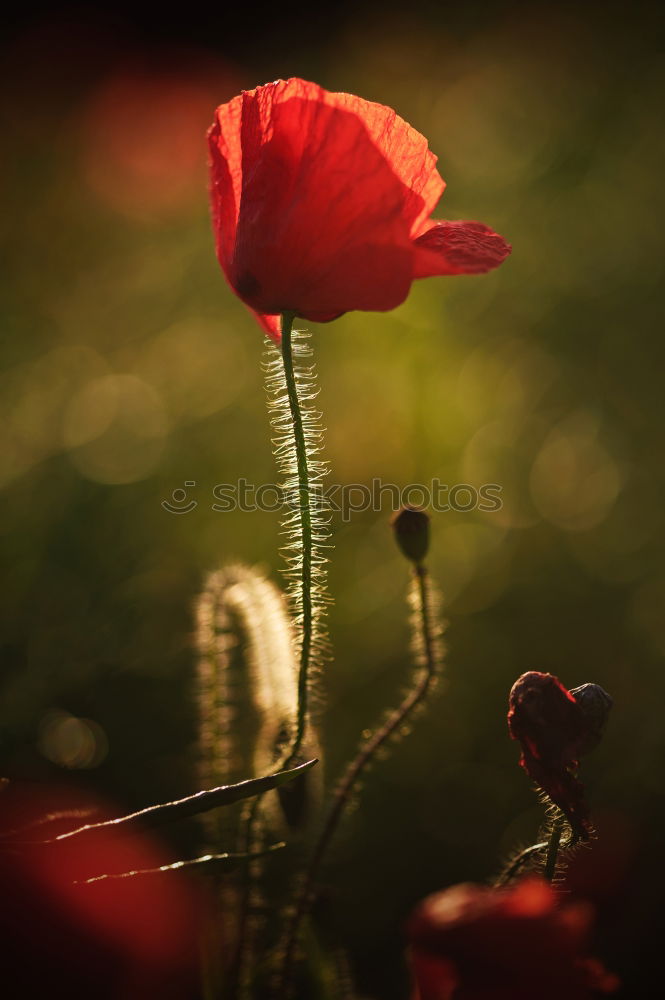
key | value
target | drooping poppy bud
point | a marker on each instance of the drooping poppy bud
(554, 729)
(411, 527)
(471, 942)
(322, 203)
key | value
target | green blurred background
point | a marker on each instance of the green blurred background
(129, 369)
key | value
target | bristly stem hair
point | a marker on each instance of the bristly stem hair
(304, 596)
(292, 391)
(549, 856)
(427, 651)
(553, 844)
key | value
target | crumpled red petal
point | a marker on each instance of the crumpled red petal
(552, 729)
(458, 248)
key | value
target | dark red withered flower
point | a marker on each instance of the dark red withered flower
(475, 943)
(321, 203)
(554, 730)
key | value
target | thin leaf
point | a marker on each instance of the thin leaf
(171, 812)
(228, 860)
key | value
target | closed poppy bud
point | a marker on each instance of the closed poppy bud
(471, 942)
(411, 527)
(321, 203)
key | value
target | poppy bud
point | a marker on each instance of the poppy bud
(411, 527)
(595, 703)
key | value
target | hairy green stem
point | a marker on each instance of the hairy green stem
(305, 602)
(306, 536)
(546, 855)
(354, 771)
(518, 862)
(549, 868)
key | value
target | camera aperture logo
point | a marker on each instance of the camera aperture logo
(347, 499)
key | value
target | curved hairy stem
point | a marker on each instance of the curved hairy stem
(246, 661)
(514, 866)
(428, 653)
(546, 857)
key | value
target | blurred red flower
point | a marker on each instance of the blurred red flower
(115, 939)
(321, 203)
(553, 730)
(475, 943)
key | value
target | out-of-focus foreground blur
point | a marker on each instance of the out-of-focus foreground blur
(130, 371)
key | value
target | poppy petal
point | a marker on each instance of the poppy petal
(292, 231)
(408, 154)
(458, 248)
(476, 943)
(322, 203)
(271, 325)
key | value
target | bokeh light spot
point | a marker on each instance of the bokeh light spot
(33, 399)
(574, 480)
(115, 429)
(71, 742)
(143, 152)
(501, 452)
(143, 137)
(195, 366)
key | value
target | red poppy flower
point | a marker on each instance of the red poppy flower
(321, 204)
(555, 727)
(475, 943)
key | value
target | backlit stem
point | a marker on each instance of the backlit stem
(305, 533)
(549, 868)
